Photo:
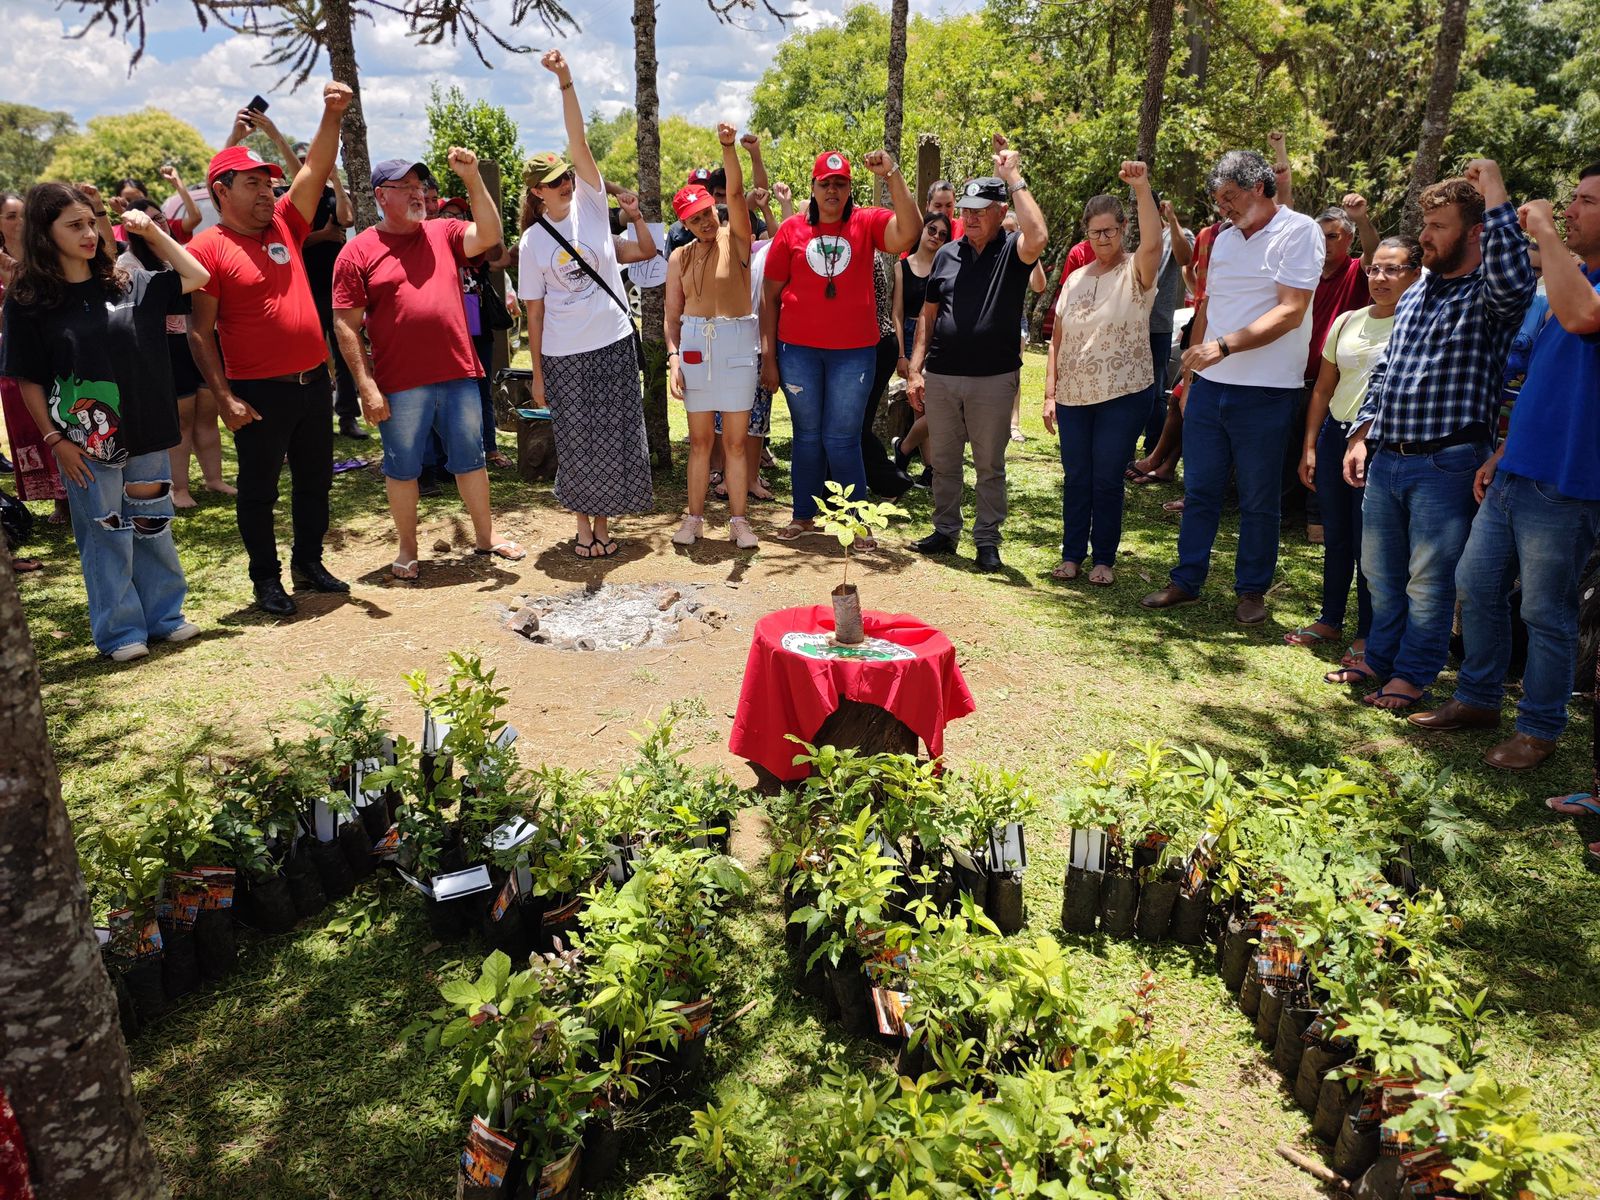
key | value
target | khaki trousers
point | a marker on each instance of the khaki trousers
(972, 409)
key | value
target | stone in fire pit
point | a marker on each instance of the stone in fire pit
(612, 616)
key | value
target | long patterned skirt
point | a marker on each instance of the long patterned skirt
(38, 477)
(597, 418)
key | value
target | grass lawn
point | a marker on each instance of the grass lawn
(288, 1081)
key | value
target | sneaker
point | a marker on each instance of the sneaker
(741, 535)
(689, 532)
(130, 652)
(184, 632)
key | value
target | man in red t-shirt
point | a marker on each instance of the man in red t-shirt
(401, 279)
(1343, 287)
(271, 382)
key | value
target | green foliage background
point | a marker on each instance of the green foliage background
(135, 144)
(486, 130)
(28, 138)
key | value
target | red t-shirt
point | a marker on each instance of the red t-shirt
(266, 318)
(803, 258)
(1336, 293)
(1201, 265)
(1080, 255)
(410, 285)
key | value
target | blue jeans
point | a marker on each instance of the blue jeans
(1415, 518)
(1160, 355)
(1229, 425)
(828, 392)
(1528, 528)
(451, 409)
(1096, 443)
(130, 567)
(1341, 533)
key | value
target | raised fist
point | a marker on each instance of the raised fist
(118, 205)
(463, 162)
(628, 202)
(555, 61)
(878, 162)
(336, 96)
(750, 142)
(1355, 204)
(1134, 173)
(1275, 139)
(726, 133)
(1167, 211)
(758, 196)
(1482, 171)
(170, 174)
(782, 193)
(138, 222)
(1537, 216)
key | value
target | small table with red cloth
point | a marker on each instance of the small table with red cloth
(796, 677)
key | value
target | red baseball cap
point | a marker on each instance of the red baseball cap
(691, 200)
(699, 175)
(240, 158)
(830, 163)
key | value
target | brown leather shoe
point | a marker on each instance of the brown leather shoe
(1171, 596)
(1453, 714)
(1520, 752)
(1252, 608)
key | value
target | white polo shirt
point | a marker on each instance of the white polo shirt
(1242, 284)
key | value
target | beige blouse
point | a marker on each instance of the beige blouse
(1105, 335)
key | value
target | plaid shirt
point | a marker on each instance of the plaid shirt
(1446, 358)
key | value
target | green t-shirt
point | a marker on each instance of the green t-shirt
(1355, 341)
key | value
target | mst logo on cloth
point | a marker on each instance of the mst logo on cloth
(278, 253)
(828, 255)
(567, 269)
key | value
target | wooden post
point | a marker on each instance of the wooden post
(929, 166)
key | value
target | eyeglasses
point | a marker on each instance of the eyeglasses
(415, 189)
(1103, 235)
(1379, 271)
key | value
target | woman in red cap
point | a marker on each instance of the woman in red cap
(712, 343)
(819, 323)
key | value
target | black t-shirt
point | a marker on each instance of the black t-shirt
(103, 363)
(319, 257)
(980, 307)
(913, 291)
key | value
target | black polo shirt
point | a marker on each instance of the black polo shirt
(980, 295)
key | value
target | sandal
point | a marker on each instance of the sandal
(761, 491)
(793, 531)
(584, 549)
(498, 460)
(23, 565)
(1173, 506)
(1582, 801)
(1353, 658)
(1350, 673)
(1406, 701)
(1066, 571)
(604, 548)
(1306, 636)
(719, 488)
(509, 551)
(406, 572)
(1099, 579)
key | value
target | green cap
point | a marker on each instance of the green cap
(544, 167)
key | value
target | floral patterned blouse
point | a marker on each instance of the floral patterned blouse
(1105, 335)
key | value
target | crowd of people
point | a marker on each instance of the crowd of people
(1360, 383)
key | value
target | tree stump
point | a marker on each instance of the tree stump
(851, 726)
(536, 450)
(894, 414)
(512, 389)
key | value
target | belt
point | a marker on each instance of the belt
(1477, 431)
(300, 377)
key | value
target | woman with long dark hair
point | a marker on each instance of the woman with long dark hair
(197, 407)
(580, 333)
(33, 465)
(87, 341)
(910, 286)
(819, 323)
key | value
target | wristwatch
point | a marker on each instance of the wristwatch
(1222, 345)
(1020, 185)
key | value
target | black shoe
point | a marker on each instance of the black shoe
(989, 558)
(925, 480)
(428, 483)
(272, 599)
(901, 459)
(316, 577)
(935, 543)
(5, 465)
(351, 428)
(897, 485)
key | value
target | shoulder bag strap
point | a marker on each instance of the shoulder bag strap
(583, 265)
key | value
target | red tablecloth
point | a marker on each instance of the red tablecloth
(906, 667)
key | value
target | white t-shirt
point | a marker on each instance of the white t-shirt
(758, 266)
(578, 315)
(1242, 284)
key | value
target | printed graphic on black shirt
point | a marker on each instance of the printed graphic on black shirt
(89, 412)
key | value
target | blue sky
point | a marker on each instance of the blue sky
(707, 68)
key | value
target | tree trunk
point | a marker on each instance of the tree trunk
(1155, 79)
(894, 98)
(339, 40)
(65, 1068)
(652, 301)
(1436, 115)
(1199, 23)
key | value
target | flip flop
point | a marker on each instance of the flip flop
(1383, 693)
(23, 565)
(510, 551)
(1307, 636)
(1356, 674)
(585, 549)
(604, 549)
(1172, 506)
(1066, 572)
(794, 531)
(1101, 582)
(405, 572)
(1353, 658)
(1581, 800)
